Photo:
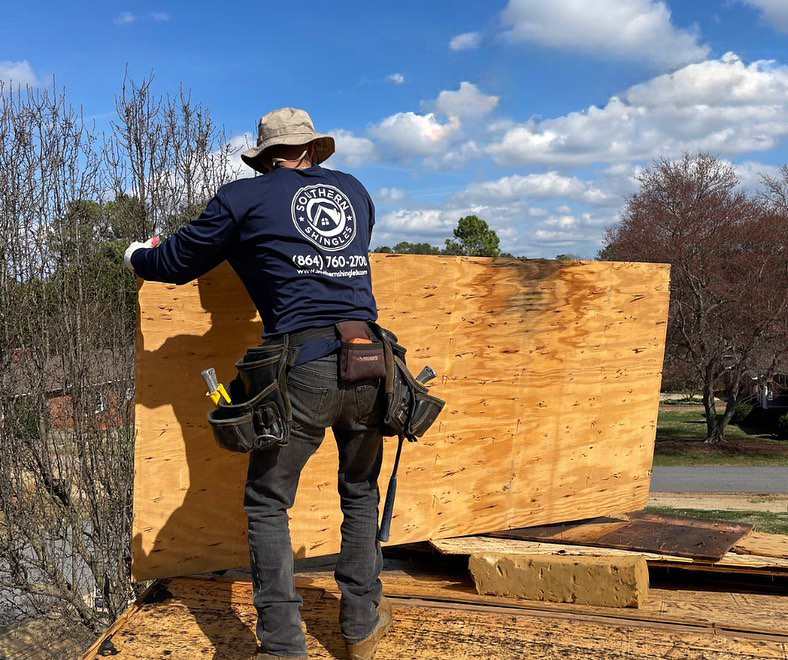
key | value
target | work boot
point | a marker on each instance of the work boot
(365, 648)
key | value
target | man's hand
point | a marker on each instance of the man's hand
(136, 245)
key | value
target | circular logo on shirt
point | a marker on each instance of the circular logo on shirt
(325, 216)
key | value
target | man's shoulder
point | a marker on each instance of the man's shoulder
(240, 186)
(252, 187)
(339, 174)
(347, 179)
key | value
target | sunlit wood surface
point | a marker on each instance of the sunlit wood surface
(551, 371)
(443, 618)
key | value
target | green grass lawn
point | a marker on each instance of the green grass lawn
(680, 441)
(691, 425)
(763, 521)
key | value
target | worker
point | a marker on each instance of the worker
(298, 237)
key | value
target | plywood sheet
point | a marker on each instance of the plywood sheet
(668, 535)
(763, 544)
(726, 612)
(215, 619)
(550, 370)
(730, 562)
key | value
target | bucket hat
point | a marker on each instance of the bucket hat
(289, 126)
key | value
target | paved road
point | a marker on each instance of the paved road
(719, 479)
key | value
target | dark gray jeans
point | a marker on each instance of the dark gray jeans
(355, 415)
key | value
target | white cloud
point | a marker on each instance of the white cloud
(505, 204)
(422, 222)
(547, 185)
(388, 195)
(723, 106)
(456, 155)
(18, 73)
(236, 145)
(467, 101)
(564, 221)
(435, 225)
(774, 11)
(559, 238)
(582, 232)
(124, 18)
(623, 29)
(725, 82)
(352, 150)
(408, 134)
(750, 172)
(396, 78)
(520, 232)
(465, 41)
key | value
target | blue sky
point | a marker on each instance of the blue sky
(534, 114)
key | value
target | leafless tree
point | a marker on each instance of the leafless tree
(729, 274)
(167, 153)
(70, 202)
(65, 474)
(776, 191)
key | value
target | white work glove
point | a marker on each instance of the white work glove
(136, 245)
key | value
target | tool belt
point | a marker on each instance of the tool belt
(362, 356)
(260, 415)
(410, 409)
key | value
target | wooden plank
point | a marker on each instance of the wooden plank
(580, 532)
(731, 562)
(194, 624)
(720, 610)
(668, 535)
(618, 582)
(763, 544)
(551, 371)
(121, 621)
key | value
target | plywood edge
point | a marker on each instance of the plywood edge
(731, 562)
(763, 545)
(120, 622)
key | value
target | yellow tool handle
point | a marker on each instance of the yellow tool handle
(218, 394)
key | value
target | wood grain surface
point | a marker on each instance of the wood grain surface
(550, 370)
(725, 611)
(649, 532)
(730, 562)
(433, 619)
(763, 544)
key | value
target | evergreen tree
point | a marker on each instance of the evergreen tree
(474, 238)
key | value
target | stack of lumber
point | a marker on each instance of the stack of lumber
(753, 553)
(441, 613)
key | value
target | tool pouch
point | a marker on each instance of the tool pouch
(410, 409)
(359, 361)
(260, 415)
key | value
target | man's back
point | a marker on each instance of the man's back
(298, 239)
(308, 230)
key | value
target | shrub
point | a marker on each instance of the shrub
(782, 427)
(742, 412)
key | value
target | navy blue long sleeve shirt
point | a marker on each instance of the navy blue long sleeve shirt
(298, 239)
